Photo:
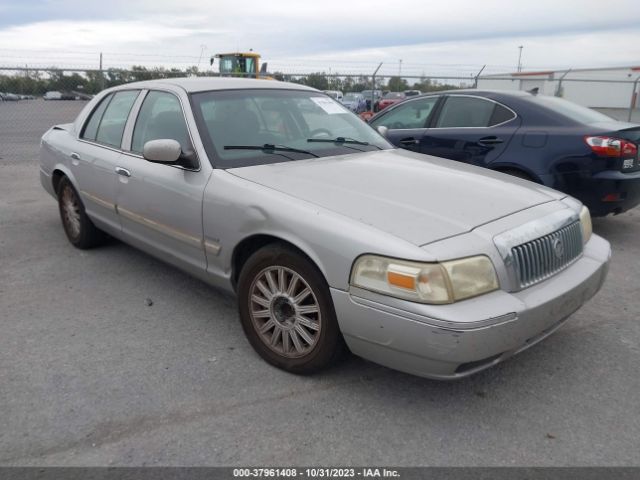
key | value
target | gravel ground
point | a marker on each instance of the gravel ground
(91, 374)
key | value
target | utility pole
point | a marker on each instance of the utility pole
(399, 68)
(101, 74)
(373, 86)
(520, 58)
(202, 49)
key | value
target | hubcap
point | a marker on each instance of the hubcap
(71, 212)
(285, 311)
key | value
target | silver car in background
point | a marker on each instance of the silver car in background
(331, 239)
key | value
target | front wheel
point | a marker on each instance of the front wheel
(286, 311)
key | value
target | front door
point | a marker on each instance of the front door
(160, 205)
(406, 122)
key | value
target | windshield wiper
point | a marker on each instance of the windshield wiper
(343, 140)
(268, 148)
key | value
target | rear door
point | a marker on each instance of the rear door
(407, 121)
(96, 154)
(470, 129)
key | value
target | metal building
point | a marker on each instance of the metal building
(611, 90)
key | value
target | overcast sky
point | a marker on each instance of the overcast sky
(431, 37)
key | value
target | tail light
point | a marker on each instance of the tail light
(612, 147)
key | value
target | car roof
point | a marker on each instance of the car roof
(201, 84)
(475, 91)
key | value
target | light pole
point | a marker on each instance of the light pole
(202, 49)
(520, 58)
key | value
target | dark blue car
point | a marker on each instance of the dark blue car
(544, 139)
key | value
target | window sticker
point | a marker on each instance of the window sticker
(328, 105)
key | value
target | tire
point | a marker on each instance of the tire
(308, 338)
(78, 227)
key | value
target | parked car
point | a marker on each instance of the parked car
(329, 236)
(335, 94)
(547, 140)
(372, 97)
(354, 102)
(53, 95)
(412, 93)
(10, 97)
(389, 99)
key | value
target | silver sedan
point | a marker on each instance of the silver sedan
(332, 240)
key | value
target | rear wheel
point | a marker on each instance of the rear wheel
(286, 311)
(78, 227)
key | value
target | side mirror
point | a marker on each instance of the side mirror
(162, 151)
(382, 130)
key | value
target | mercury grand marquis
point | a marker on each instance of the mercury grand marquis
(331, 239)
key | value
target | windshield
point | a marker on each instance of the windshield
(295, 119)
(235, 64)
(569, 109)
(394, 95)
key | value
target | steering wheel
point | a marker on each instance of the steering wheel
(320, 131)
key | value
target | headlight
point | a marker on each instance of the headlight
(585, 223)
(437, 283)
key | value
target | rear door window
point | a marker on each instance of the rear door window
(91, 127)
(500, 115)
(115, 116)
(465, 112)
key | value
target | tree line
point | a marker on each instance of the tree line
(37, 82)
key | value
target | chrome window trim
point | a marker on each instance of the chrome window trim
(127, 135)
(515, 115)
(101, 145)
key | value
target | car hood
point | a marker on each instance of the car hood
(415, 197)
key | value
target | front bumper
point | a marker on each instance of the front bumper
(459, 342)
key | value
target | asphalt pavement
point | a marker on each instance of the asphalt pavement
(111, 357)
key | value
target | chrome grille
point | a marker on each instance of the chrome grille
(543, 257)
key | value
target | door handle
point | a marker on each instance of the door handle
(74, 156)
(487, 141)
(407, 142)
(123, 171)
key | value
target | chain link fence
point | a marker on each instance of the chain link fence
(614, 97)
(25, 115)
